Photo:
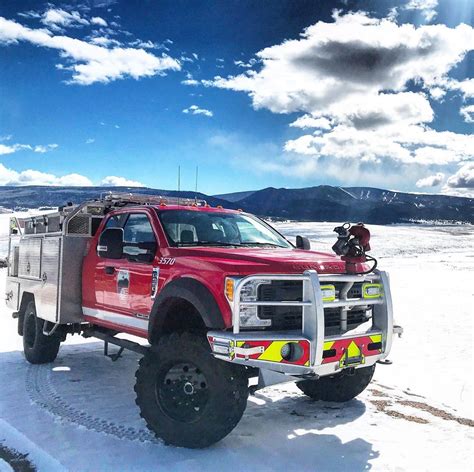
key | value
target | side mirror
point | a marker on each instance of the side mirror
(111, 244)
(303, 243)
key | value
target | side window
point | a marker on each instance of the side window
(116, 221)
(139, 238)
(138, 229)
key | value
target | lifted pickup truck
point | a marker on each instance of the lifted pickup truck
(219, 295)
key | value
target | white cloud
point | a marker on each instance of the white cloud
(246, 65)
(44, 148)
(427, 8)
(97, 20)
(105, 41)
(307, 121)
(195, 110)
(73, 180)
(189, 58)
(138, 43)
(463, 178)
(56, 19)
(467, 113)
(114, 181)
(431, 180)
(30, 14)
(461, 184)
(91, 63)
(90, 140)
(349, 80)
(190, 82)
(465, 86)
(39, 148)
(10, 149)
(355, 56)
(34, 177)
(437, 93)
(411, 144)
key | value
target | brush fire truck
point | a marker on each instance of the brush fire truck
(222, 299)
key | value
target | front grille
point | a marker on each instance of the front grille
(291, 317)
(332, 319)
(283, 317)
(354, 292)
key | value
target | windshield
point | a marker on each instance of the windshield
(198, 228)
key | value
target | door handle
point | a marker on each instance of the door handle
(109, 270)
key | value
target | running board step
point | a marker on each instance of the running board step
(122, 343)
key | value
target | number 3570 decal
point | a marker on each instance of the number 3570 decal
(167, 261)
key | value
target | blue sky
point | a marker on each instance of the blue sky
(255, 93)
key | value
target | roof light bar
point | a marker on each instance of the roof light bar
(142, 199)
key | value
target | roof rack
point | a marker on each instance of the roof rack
(118, 198)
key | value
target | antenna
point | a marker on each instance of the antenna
(179, 182)
(197, 176)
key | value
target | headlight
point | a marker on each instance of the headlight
(370, 290)
(329, 293)
(249, 293)
(249, 318)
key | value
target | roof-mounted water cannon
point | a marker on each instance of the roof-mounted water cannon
(352, 245)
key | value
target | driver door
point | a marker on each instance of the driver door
(132, 278)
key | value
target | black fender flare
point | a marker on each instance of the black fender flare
(193, 292)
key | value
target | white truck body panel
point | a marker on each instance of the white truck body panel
(45, 260)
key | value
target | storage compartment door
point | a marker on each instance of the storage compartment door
(48, 294)
(30, 258)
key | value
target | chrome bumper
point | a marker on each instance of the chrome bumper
(262, 349)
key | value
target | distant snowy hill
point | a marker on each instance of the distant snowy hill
(236, 196)
(44, 196)
(321, 203)
(372, 205)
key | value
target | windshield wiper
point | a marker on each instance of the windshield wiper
(208, 243)
(261, 244)
(224, 244)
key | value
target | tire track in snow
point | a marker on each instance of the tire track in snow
(43, 394)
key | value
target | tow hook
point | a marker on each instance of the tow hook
(349, 371)
(385, 362)
(398, 330)
(310, 376)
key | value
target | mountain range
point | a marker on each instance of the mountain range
(321, 203)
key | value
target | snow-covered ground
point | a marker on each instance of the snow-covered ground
(79, 413)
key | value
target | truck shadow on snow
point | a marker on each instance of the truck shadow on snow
(84, 390)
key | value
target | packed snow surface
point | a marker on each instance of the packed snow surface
(79, 413)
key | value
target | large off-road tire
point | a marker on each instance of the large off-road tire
(38, 348)
(186, 396)
(338, 388)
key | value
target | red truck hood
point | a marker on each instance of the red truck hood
(262, 260)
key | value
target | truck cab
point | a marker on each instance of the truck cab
(218, 297)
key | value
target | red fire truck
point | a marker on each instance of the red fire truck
(220, 299)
